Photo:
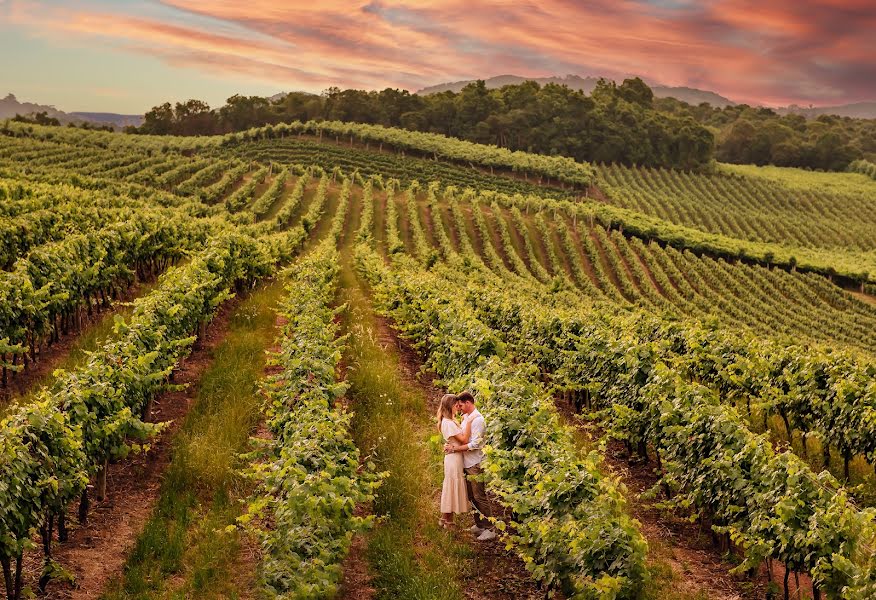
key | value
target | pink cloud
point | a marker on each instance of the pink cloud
(778, 52)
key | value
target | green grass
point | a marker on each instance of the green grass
(409, 556)
(184, 550)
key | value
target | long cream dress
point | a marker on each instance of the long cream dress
(454, 498)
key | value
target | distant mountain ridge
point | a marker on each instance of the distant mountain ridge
(11, 106)
(586, 85)
(857, 110)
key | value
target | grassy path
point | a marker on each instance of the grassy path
(183, 550)
(407, 555)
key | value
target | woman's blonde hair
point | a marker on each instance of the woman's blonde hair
(445, 408)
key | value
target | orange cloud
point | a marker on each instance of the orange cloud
(777, 52)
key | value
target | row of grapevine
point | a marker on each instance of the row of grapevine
(55, 444)
(746, 208)
(203, 178)
(518, 265)
(45, 291)
(562, 169)
(339, 221)
(394, 242)
(106, 141)
(264, 202)
(774, 364)
(625, 269)
(403, 168)
(231, 177)
(569, 524)
(647, 379)
(50, 218)
(293, 202)
(166, 164)
(243, 195)
(445, 245)
(311, 482)
(317, 205)
(366, 222)
(182, 173)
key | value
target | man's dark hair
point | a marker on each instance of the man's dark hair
(465, 397)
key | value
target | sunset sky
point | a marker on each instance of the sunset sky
(126, 56)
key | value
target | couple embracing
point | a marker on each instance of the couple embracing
(462, 464)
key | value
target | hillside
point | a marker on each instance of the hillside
(11, 106)
(653, 297)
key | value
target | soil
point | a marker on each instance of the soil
(449, 226)
(96, 552)
(428, 223)
(356, 581)
(867, 298)
(575, 234)
(597, 194)
(603, 258)
(697, 564)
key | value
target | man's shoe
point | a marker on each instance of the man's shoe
(476, 530)
(487, 535)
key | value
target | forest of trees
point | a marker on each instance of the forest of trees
(761, 136)
(39, 118)
(616, 123)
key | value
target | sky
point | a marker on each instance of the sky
(127, 56)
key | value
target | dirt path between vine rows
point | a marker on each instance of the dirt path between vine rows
(493, 572)
(696, 564)
(96, 552)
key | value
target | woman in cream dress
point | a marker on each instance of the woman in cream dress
(454, 498)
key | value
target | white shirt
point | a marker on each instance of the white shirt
(474, 455)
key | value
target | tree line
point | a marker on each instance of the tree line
(615, 123)
(43, 118)
(756, 135)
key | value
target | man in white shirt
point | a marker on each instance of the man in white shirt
(471, 459)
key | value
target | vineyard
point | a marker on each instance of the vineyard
(716, 330)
